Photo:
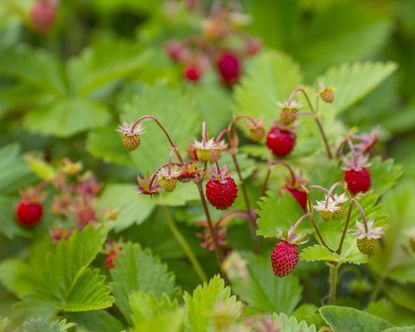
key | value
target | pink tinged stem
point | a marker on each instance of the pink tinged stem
(215, 158)
(204, 134)
(356, 203)
(287, 166)
(153, 118)
(297, 223)
(330, 192)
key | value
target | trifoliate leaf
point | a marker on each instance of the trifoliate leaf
(263, 291)
(352, 320)
(209, 301)
(66, 117)
(279, 211)
(138, 270)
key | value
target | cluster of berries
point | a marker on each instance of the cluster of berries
(353, 152)
(74, 200)
(204, 156)
(43, 15)
(212, 49)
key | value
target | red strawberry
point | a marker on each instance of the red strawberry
(29, 214)
(299, 195)
(357, 180)
(43, 15)
(229, 67)
(112, 256)
(221, 191)
(192, 73)
(281, 141)
(284, 258)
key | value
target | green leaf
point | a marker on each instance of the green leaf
(41, 324)
(104, 63)
(394, 314)
(138, 270)
(205, 299)
(214, 105)
(63, 280)
(4, 322)
(36, 68)
(171, 107)
(333, 33)
(135, 208)
(40, 167)
(290, 324)
(392, 261)
(400, 329)
(96, 321)
(384, 174)
(167, 322)
(274, 22)
(89, 292)
(402, 295)
(146, 306)
(8, 224)
(342, 319)
(349, 254)
(14, 172)
(354, 81)
(105, 144)
(278, 211)
(271, 78)
(263, 291)
(66, 117)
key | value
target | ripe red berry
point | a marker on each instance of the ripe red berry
(281, 141)
(192, 73)
(110, 261)
(221, 193)
(28, 214)
(43, 15)
(284, 258)
(229, 67)
(299, 195)
(358, 181)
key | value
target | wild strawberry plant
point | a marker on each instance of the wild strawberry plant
(220, 188)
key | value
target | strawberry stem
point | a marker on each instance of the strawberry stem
(316, 117)
(346, 226)
(356, 203)
(330, 192)
(184, 244)
(153, 118)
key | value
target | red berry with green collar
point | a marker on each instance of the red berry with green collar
(221, 190)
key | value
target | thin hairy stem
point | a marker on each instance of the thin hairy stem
(333, 270)
(346, 226)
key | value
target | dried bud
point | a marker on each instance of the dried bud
(70, 168)
(204, 150)
(148, 185)
(366, 238)
(256, 131)
(288, 112)
(167, 177)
